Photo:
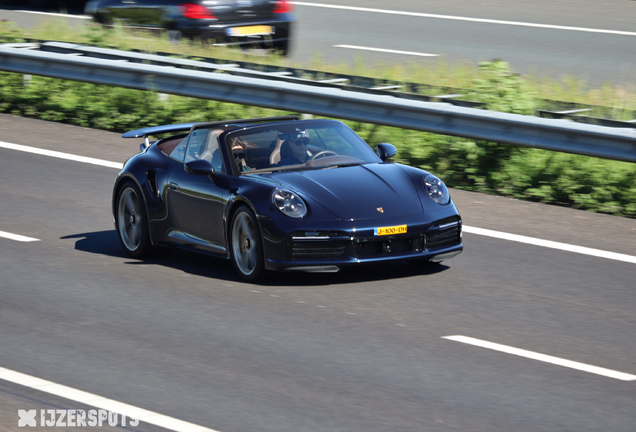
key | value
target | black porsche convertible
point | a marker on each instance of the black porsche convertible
(283, 194)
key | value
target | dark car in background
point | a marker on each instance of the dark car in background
(245, 23)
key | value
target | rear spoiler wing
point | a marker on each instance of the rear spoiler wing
(158, 130)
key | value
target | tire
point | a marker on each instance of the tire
(246, 245)
(282, 48)
(131, 221)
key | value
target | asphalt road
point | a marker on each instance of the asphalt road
(587, 39)
(517, 38)
(181, 335)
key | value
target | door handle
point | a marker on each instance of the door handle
(174, 186)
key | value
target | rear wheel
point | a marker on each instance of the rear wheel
(132, 223)
(247, 245)
(282, 48)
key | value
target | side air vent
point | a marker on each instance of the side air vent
(151, 177)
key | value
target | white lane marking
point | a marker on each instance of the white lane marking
(61, 155)
(542, 357)
(386, 50)
(468, 229)
(84, 17)
(17, 237)
(458, 18)
(83, 397)
(551, 244)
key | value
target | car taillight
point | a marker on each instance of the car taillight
(283, 6)
(195, 11)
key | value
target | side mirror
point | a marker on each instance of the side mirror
(386, 151)
(200, 167)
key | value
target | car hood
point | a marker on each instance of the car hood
(357, 192)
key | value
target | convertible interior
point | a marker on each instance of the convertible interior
(263, 149)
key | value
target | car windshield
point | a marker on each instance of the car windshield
(297, 145)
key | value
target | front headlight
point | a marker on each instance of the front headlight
(436, 189)
(289, 204)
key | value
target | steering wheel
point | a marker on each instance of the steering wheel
(323, 154)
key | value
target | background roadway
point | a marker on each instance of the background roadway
(593, 57)
(179, 334)
(553, 53)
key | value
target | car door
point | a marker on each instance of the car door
(243, 10)
(197, 202)
(131, 13)
(150, 14)
(116, 11)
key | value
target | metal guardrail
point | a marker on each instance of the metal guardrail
(297, 94)
(582, 113)
(590, 114)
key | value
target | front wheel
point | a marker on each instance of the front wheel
(247, 245)
(132, 224)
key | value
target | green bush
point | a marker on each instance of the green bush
(556, 178)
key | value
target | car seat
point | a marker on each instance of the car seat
(275, 157)
(212, 152)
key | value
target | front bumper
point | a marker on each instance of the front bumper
(332, 246)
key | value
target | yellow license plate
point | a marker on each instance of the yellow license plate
(250, 30)
(399, 229)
